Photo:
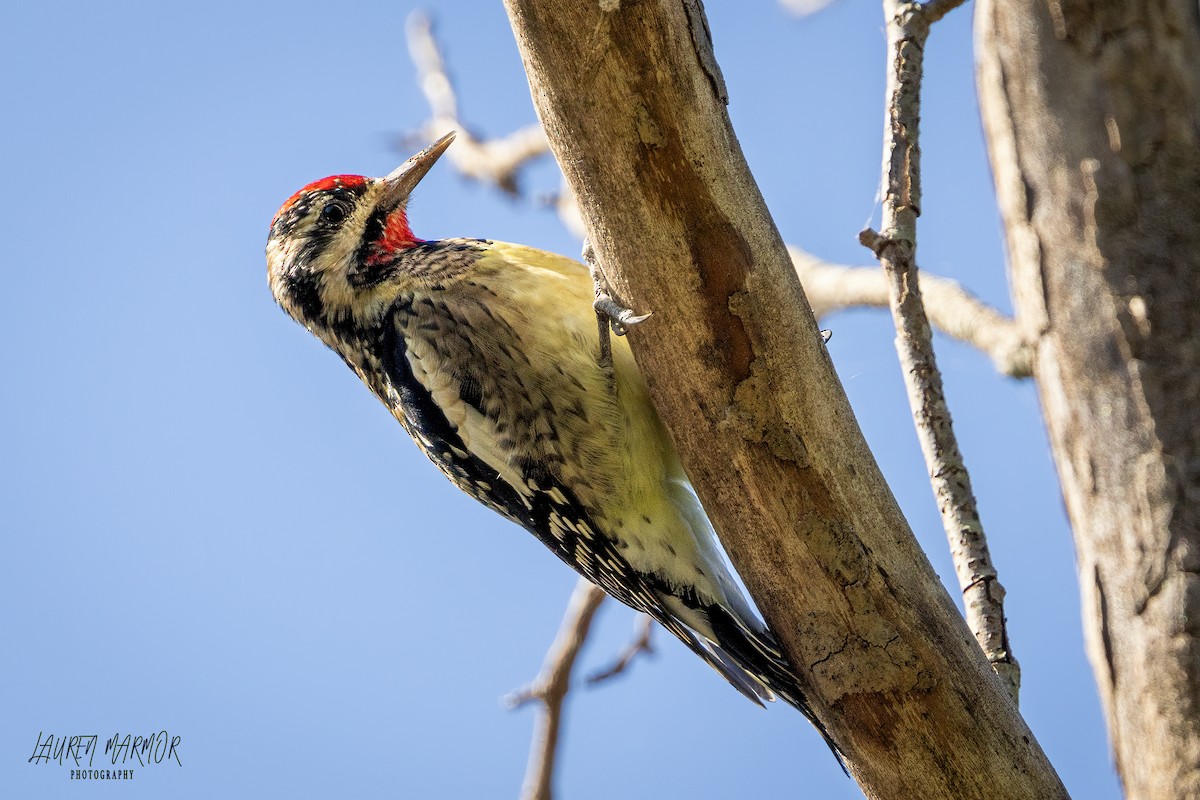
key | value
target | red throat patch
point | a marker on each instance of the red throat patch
(396, 233)
(396, 236)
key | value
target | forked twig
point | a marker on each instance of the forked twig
(550, 688)
(642, 643)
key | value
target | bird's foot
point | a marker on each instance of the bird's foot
(609, 308)
(612, 316)
(620, 318)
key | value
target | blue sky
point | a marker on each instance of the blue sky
(210, 526)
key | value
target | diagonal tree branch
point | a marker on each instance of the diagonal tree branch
(642, 643)
(497, 161)
(550, 687)
(983, 595)
(633, 104)
(952, 310)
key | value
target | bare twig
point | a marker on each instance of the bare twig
(497, 161)
(936, 9)
(952, 309)
(642, 643)
(550, 687)
(908, 28)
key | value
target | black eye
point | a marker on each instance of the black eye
(333, 213)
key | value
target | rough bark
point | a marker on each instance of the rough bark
(1092, 111)
(634, 106)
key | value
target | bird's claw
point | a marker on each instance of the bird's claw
(620, 318)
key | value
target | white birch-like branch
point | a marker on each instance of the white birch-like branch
(952, 309)
(497, 161)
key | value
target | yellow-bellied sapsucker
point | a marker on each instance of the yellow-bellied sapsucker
(488, 355)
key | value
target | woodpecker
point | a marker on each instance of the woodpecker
(488, 355)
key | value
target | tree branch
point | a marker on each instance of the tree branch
(633, 104)
(983, 595)
(952, 309)
(642, 643)
(802, 8)
(933, 10)
(497, 161)
(550, 688)
(1092, 116)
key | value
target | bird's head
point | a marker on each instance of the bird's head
(335, 252)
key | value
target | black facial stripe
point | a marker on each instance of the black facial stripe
(304, 292)
(300, 284)
(372, 232)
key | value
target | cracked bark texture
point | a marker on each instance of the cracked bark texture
(1092, 111)
(633, 104)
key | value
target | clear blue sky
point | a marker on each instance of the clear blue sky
(209, 525)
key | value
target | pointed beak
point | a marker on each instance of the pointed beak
(404, 179)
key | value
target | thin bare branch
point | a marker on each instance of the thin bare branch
(983, 595)
(642, 643)
(550, 687)
(952, 309)
(936, 9)
(497, 161)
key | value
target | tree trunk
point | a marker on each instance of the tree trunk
(634, 106)
(1092, 112)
